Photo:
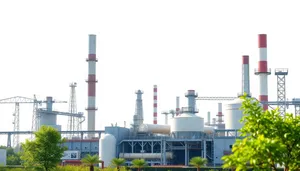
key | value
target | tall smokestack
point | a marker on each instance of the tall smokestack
(191, 95)
(263, 70)
(208, 118)
(91, 109)
(220, 114)
(245, 76)
(177, 106)
(155, 104)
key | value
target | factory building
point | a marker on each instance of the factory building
(186, 135)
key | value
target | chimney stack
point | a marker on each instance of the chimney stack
(263, 70)
(91, 109)
(155, 104)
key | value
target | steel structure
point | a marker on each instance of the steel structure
(74, 123)
(16, 123)
(138, 117)
(12, 133)
(166, 113)
(216, 98)
(281, 91)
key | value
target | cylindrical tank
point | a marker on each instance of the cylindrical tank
(187, 123)
(209, 129)
(169, 155)
(107, 148)
(154, 128)
(233, 115)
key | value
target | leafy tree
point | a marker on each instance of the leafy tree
(198, 162)
(45, 151)
(117, 162)
(91, 161)
(13, 159)
(270, 139)
(139, 163)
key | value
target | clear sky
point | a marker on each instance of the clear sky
(178, 45)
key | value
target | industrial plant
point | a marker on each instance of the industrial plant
(184, 135)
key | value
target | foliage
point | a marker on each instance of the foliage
(270, 139)
(45, 151)
(139, 163)
(12, 157)
(91, 161)
(117, 162)
(198, 162)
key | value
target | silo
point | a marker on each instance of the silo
(107, 148)
(233, 115)
(187, 125)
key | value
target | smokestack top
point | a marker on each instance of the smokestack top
(262, 40)
(92, 44)
(245, 59)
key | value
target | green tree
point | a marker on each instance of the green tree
(91, 161)
(45, 151)
(13, 159)
(117, 162)
(198, 162)
(270, 139)
(139, 163)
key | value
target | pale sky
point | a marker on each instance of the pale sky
(178, 45)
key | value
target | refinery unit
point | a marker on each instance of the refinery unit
(183, 136)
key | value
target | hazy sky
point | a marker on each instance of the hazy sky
(178, 45)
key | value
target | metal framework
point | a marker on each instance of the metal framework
(281, 91)
(17, 100)
(16, 123)
(295, 102)
(216, 98)
(13, 133)
(180, 148)
(74, 123)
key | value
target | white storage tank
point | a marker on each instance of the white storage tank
(233, 115)
(154, 128)
(107, 148)
(187, 123)
(3, 157)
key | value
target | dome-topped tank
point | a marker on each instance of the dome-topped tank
(187, 123)
(233, 114)
(107, 148)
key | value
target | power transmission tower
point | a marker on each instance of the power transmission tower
(74, 123)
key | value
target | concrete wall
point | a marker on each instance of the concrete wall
(221, 145)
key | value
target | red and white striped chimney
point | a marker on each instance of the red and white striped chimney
(155, 104)
(177, 106)
(220, 114)
(91, 109)
(263, 70)
(245, 76)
